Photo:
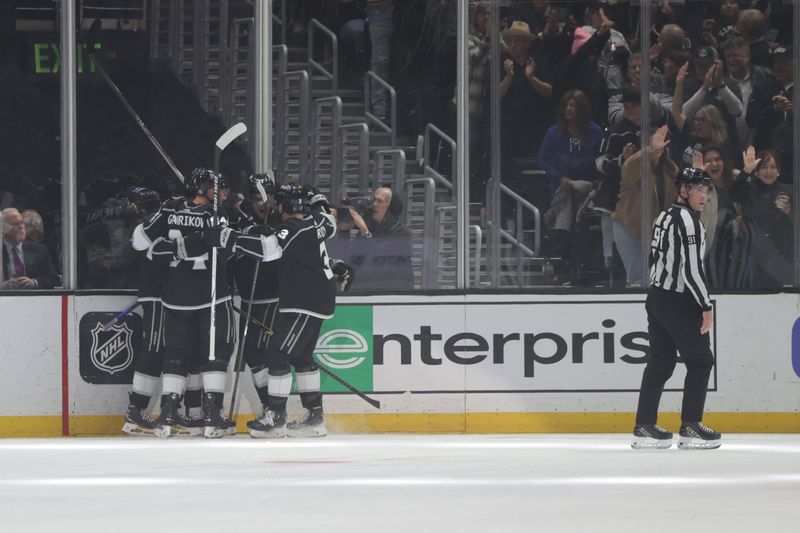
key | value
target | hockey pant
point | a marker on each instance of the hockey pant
(147, 374)
(674, 321)
(292, 345)
(255, 345)
(186, 335)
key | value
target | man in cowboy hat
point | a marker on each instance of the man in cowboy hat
(524, 92)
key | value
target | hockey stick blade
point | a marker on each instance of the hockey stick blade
(122, 314)
(374, 403)
(229, 136)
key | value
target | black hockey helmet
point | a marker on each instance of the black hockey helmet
(146, 200)
(262, 185)
(692, 176)
(291, 197)
(200, 180)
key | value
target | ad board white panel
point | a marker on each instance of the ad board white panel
(30, 380)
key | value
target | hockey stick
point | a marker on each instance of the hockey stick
(212, 332)
(122, 314)
(374, 403)
(237, 367)
(253, 320)
(228, 137)
(91, 40)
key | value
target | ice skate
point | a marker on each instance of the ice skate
(647, 436)
(168, 421)
(269, 425)
(310, 424)
(216, 425)
(696, 436)
(189, 426)
(138, 422)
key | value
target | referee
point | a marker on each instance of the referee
(679, 317)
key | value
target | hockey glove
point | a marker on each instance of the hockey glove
(345, 275)
(259, 229)
(220, 237)
(315, 199)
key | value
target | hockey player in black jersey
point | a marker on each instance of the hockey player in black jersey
(679, 316)
(176, 233)
(307, 296)
(257, 281)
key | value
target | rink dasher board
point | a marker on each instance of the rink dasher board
(456, 363)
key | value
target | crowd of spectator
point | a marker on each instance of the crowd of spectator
(720, 98)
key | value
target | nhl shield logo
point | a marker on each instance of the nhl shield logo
(112, 350)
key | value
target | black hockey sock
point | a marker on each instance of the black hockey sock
(311, 399)
(139, 401)
(277, 404)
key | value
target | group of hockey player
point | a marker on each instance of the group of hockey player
(271, 244)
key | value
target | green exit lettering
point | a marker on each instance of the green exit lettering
(47, 58)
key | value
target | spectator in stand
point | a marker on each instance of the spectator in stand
(622, 140)
(729, 236)
(707, 86)
(613, 58)
(745, 77)
(567, 156)
(627, 217)
(751, 25)
(579, 71)
(524, 102)
(352, 43)
(660, 96)
(706, 126)
(381, 29)
(770, 109)
(768, 203)
(34, 225)
(671, 38)
(717, 30)
(391, 239)
(26, 263)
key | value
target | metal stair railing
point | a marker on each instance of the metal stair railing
(236, 93)
(477, 260)
(446, 251)
(354, 139)
(389, 166)
(314, 26)
(422, 228)
(371, 78)
(517, 240)
(325, 141)
(430, 167)
(295, 107)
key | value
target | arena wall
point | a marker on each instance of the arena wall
(461, 363)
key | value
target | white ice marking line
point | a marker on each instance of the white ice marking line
(412, 482)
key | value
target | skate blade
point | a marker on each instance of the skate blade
(183, 431)
(213, 432)
(277, 433)
(646, 443)
(230, 431)
(136, 430)
(688, 443)
(163, 432)
(307, 432)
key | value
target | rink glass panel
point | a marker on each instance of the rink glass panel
(30, 139)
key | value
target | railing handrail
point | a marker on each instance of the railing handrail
(281, 20)
(363, 153)
(428, 265)
(336, 147)
(430, 129)
(304, 118)
(478, 241)
(332, 75)
(399, 156)
(369, 76)
(282, 52)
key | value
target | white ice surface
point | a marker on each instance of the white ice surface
(398, 483)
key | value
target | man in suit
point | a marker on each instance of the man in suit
(26, 263)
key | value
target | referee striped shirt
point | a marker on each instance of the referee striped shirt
(676, 254)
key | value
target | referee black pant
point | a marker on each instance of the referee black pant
(673, 322)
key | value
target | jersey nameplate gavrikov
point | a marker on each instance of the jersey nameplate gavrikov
(108, 357)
